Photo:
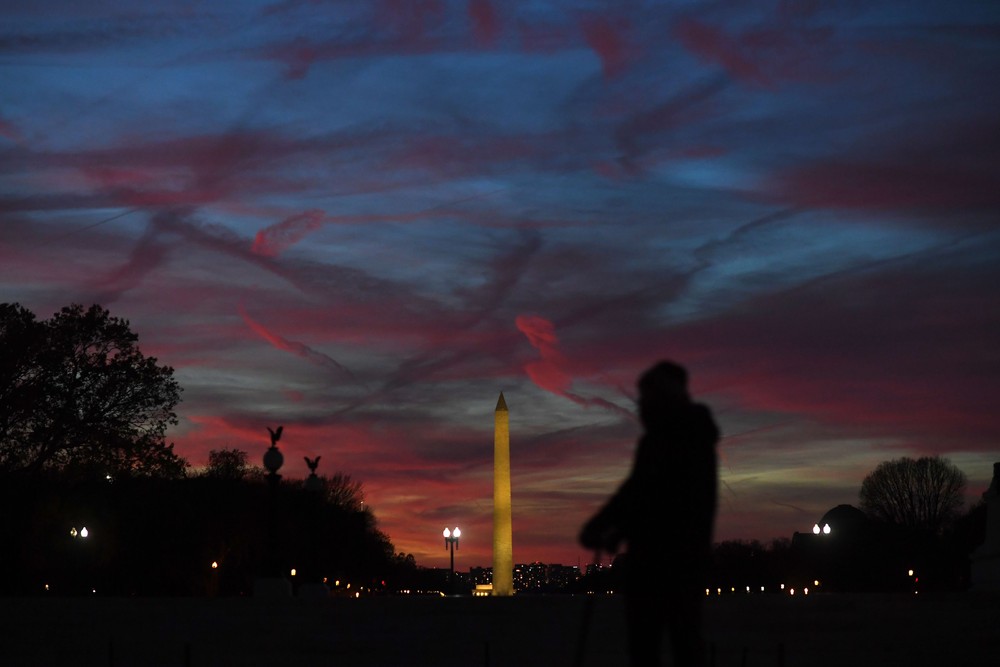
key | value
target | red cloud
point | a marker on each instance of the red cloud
(273, 240)
(715, 46)
(549, 372)
(607, 41)
(485, 23)
(952, 165)
(886, 186)
(764, 56)
(546, 373)
(9, 131)
(296, 348)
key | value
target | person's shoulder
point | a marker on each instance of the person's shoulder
(701, 411)
(701, 415)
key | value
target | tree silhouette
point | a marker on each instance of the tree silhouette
(77, 393)
(923, 494)
(227, 464)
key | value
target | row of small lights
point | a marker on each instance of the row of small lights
(805, 590)
(294, 572)
(791, 591)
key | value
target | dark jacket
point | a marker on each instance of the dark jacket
(665, 510)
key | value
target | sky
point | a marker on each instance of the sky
(364, 220)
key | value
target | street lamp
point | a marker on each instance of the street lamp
(451, 541)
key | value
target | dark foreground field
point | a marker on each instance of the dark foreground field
(952, 630)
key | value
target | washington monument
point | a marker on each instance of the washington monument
(503, 550)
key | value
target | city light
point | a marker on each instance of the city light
(909, 572)
(215, 565)
(73, 533)
(816, 529)
(826, 529)
(293, 572)
(84, 532)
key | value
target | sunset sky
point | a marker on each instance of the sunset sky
(363, 220)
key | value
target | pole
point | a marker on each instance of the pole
(451, 576)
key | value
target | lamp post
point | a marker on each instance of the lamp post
(451, 541)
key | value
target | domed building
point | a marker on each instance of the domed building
(846, 520)
(840, 551)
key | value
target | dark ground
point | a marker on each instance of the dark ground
(814, 631)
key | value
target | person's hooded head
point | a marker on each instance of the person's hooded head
(662, 389)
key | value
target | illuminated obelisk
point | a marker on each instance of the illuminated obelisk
(503, 550)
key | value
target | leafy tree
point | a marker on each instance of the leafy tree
(924, 494)
(77, 393)
(21, 341)
(227, 464)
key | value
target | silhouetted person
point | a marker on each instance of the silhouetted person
(665, 512)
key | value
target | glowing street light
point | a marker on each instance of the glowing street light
(451, 541)
(826, 529)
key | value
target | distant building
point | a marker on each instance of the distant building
(561, 577)
(528, 578)
(480, 576)
(839, 552)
